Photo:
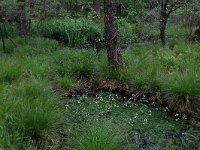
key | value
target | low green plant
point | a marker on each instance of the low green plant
(35, 119)
(81, 64)
(127, 32)
(37, 67)
(182, 91)
(11, 29)
(99, 137)
(29, 111)
(10, 71)
(78, 33)
(9, 47)
(28, 47)
(67, 83)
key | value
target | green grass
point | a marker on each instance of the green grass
(30, 109)
(174, 72)
(127, 125)
(67, 83)
(101, 136)
(10, 71)
(78, 33)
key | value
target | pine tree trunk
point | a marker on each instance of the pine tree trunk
(112, 35)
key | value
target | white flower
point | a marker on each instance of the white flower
(176, 115)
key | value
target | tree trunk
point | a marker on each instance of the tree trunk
(2, 38)
(163, 22)
(31, 6)
(22, 21)
(96, 6)
(112, 35)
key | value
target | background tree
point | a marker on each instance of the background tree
(112, 34)
(96, 6)
(22, 20)
(166, 8)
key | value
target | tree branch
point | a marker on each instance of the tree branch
(178, 4)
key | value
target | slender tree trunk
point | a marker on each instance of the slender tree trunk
(22, 21)
(31, 6)
(112, 35)
(163, 22)
(96, 6)
(2, 38)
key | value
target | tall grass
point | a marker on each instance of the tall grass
(29, 111)
(28, 108)
(75, 62)
(183, 95)
(99, 137)
(78, 33)
(10, 71)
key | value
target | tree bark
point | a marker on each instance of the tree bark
(96, 6)
(112, 35)
(163, 22)
(22, 20)
(2, 38)
(31, 6)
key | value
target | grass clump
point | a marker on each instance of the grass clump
(67, 83)
(99, 137)
(37, 67)
(9, 47)
(10, 71)
(183, 95)
(27, 47)
(78, 33)
(30, 112)
(74, 62)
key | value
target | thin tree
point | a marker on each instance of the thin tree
(31, 7)
(96, 6)
(112, 40)
(22, 20)
(166, 8)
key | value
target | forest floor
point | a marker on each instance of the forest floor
(60, 98)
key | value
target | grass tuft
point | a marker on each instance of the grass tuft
(99, 137)
(10, 71)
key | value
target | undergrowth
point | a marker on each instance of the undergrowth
(30, 111)
(172, 73)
